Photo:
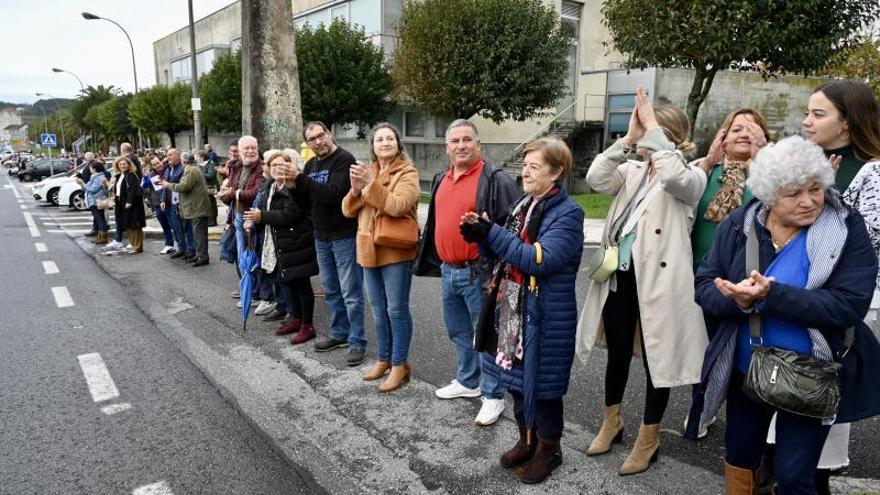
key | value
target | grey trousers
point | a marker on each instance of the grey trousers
(200, 236)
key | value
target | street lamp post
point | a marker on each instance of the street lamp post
(82, 87)
(45, 125)
(90, 17)
(60, 120)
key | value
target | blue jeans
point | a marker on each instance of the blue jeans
(799, 440)
(182, 230)
(280, 291)
(388, 289)
(343, 281)
(462, 301)
(162, 217)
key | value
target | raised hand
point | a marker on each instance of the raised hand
(756, 137)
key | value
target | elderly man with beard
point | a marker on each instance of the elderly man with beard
(323, 183)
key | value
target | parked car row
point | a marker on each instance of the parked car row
(62, 190)
(42, 168)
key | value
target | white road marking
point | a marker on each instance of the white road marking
(98, 378)
(32, 226)
(20, 200)
(160, 488)
(23, 207)
(41, 247)
(49, 267)
(65, 223)
(62, 297)
(14, 189)
(115, 408)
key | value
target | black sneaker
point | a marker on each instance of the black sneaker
(354, 357)
(329, 343)
(275, 315)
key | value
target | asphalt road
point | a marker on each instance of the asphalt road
(208, 317)
(167, 430)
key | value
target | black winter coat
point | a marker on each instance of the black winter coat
(290, 225)
(134, 217)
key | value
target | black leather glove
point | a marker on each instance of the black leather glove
(476, 232)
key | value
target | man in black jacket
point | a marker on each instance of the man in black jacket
(324, 182)
(470, 184)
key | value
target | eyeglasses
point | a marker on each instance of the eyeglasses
(317, 137)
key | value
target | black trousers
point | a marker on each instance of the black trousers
(548, 416)
(620, 315)
(302, 299)
(200, 236)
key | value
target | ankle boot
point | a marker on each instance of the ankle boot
(101, 238)
(399, 377)
(292, 326)
(547, 457)
(377, 371)
(521, 452)
(610, 433)
(644, 452)
(305, 334)
(739, 481)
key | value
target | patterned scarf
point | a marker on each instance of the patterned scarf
(524, 221)
(730, 195)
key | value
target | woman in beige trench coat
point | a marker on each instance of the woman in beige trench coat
(648, 308)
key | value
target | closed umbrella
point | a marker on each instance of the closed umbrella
(248, 264)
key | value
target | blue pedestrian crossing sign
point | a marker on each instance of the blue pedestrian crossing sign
(49, 140)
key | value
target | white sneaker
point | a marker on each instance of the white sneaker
(455, 390)
(238, 304)
(490, 412)
(265, 308)
(129, 246)
(113, 245)
(166, 250)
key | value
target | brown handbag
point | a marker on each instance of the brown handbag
(395, 232)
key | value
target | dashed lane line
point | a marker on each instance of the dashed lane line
(41, 247)
(160, 488)
(50, 268)
(62, 297)
(32, 226)
(98, 378)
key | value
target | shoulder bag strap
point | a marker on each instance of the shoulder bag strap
(753, 263)
(640, 209)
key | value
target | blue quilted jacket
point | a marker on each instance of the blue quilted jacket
(551, 315)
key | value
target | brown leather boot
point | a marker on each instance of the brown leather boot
(610, 433)
(399, 377)
(644, 452)
(377, 371)
(547, 457)
(521, 452)
(739, 481)
(101, 238)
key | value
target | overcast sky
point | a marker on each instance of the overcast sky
(40, 34)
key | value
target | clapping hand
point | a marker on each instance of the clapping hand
(361, 176)
(716, 152)
(747, 292)
(254, 215)
(475, 228)
(835, 162)
(756, 138)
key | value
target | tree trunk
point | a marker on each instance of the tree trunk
(171, 138)
(703, 78)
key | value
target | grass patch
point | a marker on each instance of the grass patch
(425, 199)
(594, 205)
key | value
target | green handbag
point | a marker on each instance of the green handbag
(797, 383)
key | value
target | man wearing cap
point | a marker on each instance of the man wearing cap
(194, 204)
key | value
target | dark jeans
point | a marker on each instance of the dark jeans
(548, 417)
(620, 315)
(99, 219)
(162, 217)
(799, 440)
(200, 236)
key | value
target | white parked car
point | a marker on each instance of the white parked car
(72, 195)
(49, 188)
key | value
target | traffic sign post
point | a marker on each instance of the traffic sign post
(49, 140)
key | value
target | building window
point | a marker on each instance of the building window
(181, 70)
(440, 125)
(235, 44)
(414, 124)
(620, 108)
(621, 101)
(339, 12)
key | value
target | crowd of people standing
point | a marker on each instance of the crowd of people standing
(705, 267)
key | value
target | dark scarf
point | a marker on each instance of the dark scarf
(524, 222)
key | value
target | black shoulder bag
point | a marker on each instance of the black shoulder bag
(786, 380)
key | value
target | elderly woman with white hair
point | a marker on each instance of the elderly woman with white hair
(801, 293)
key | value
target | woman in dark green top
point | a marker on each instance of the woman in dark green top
(742, 134)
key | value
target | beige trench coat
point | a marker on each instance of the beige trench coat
(672, 323)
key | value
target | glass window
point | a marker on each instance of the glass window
(180, 70)
(440, 125)
(618, 124)
(340, 12)
(367, 14)
(205, 61)
(621, 101)
(299, 23)
(396, 118)
(415, 124)
(235, 44)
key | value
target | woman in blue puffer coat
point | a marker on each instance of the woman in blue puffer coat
(539, 250)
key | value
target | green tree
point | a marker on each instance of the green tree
(88, 98)
(220, 91)
(113, 118)
(342, 75)
(497, 58)
(162, 109)
(712, 35)
(861, 62)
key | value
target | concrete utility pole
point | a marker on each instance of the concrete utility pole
(196, 102)
(270, 106)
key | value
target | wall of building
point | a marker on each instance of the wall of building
(7, 118)
(781, 100)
